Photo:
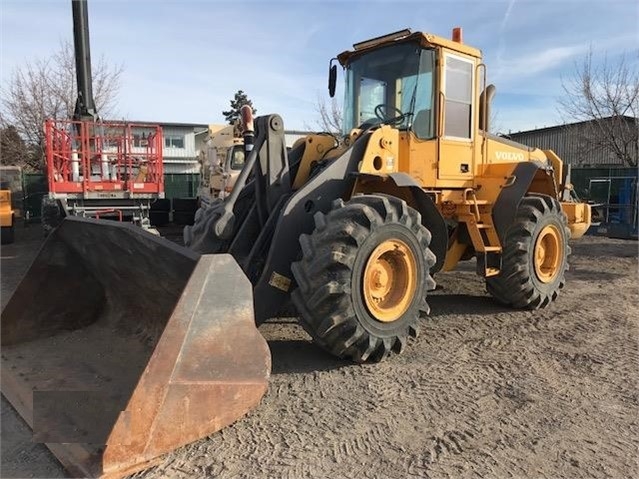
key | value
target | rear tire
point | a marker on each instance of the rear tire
(158, 217)
(52, 213)
(535, 255)
(161, 204)
(7, 234)
(183, 218)
(363, 277)
(187, 205)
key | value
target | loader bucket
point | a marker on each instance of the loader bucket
(119, 346)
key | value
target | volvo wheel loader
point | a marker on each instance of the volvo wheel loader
(152, 345)
(353, 233)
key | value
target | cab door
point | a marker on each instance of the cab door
(456, 152)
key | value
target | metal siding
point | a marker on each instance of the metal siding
(564, 140)
(189, 143)
(181, 167)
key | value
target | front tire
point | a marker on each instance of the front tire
(7, 234)
(535, 255)
(363, 277)
(200, 235)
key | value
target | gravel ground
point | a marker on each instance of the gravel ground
(484, 391)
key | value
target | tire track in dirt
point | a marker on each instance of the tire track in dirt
(484, 391)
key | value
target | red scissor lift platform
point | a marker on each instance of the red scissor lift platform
(104, 168)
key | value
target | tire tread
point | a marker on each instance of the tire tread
(323, 297)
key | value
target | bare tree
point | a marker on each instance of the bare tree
(606, 97)
(329, 117)
(43, 89)
(494, 122)
(13, 150)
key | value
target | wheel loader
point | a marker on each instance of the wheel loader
(7, 216)
(153, 345)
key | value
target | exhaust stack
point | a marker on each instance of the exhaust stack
(458, 35)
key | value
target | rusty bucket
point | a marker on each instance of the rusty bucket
(119, 346)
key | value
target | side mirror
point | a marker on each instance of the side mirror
(332, 78)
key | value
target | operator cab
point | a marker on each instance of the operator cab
(426, 87)
(393, 85)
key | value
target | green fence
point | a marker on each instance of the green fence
(181, 185)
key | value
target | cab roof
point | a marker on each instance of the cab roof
(424, 39)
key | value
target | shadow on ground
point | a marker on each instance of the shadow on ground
(300, 356)
(448, 304)
(590, 275)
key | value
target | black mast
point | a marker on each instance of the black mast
(85, 104)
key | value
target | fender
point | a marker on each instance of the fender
(294, 216)
(507, 203)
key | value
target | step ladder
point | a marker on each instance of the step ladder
(483, 235)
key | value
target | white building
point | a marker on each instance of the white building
(184, 141)
(182, 144)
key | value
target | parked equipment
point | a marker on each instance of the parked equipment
(615, 206)
(11, 207)
(353, 233)
(220, 163)
(96, 168)
(11, 179)
(7, 216)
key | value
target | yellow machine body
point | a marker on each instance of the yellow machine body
(465, 173)
(6, 211)
(7, 217)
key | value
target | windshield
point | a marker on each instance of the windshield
(237, 157)
(397, 77)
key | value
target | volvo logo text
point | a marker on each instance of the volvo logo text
(509, 155)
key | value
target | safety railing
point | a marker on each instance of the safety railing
(87, 156)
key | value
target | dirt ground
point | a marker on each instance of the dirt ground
(484, 391)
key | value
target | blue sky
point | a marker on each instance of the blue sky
(183, 61)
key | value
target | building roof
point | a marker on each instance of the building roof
(297, 132)
(564, 125)
(581, 143)
(164, 123)
(197, 125)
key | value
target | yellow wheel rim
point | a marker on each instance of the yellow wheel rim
(390, 280)
(548, 254)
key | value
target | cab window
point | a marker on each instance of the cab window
(237, 158)
(458, 93)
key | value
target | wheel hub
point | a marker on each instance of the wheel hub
(548, 253)
(390, 280)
